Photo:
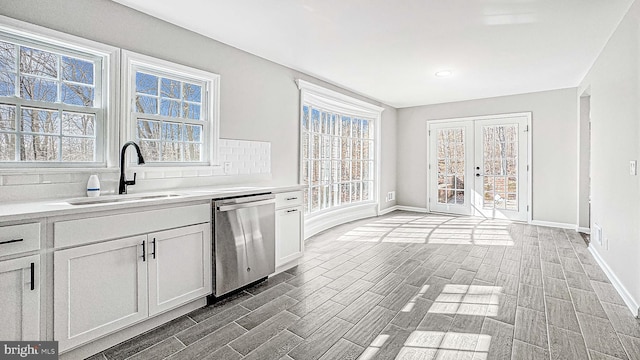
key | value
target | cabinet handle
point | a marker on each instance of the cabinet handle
(10, 241)
(33, 276)
(144, 252)
(154, 248)
(292, 210)
(292, 198)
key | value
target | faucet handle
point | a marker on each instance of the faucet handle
(131, 182)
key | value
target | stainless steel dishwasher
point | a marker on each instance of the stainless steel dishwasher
(243, 241)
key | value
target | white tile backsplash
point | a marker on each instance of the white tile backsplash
(246, 158)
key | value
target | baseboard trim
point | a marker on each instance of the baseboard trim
(624, 293)
(584, 230)
(553, 224)
(411, 208)
(388, 210)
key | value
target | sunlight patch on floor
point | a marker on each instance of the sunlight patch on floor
(429, 345)
(468, 300)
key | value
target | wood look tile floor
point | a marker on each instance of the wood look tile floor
(414, 286)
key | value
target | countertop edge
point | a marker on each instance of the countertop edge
(24, 211)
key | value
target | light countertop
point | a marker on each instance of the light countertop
(15, 211)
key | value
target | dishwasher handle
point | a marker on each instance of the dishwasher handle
(245, 205)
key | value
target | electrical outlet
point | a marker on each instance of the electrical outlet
(226, 167)
(391, 195)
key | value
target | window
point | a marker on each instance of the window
(52, 102)
(172, 113)
(338, 149)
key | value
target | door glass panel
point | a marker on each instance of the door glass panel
(450, 166)
(500, 184)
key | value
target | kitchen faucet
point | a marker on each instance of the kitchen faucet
(122, 188)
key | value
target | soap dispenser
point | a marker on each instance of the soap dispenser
(93, 186)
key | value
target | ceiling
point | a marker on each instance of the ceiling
(390, 50)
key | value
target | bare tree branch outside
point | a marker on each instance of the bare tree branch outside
(47, 106)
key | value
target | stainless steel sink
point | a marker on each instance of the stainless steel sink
(120, 198)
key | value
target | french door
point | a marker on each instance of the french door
(478, 166)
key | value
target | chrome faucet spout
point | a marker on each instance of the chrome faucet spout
(122, 188)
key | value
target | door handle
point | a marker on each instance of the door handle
(154, 248)
(478, 174)
(144, 251)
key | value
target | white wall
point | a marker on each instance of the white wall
(614, 83)
(259, 99)
(554, 147)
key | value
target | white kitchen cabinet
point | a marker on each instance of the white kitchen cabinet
(289, 229)
(108, 285)
(179, 266)
(20, 299)
(98, 289)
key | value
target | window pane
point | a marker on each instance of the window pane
(315, 120)
(7, 84)
(345, 193)
(367, 170)
(77, 70)
(38, 148)
(171, 151)
(345, 152)
(193, 133)
(38, 89)
(356, 149)
(335, 124)
(305, 118)
(170, 108)
(326, 147)
(7, 57)
(78, 149)
(355, 128)
(78, 124)
(148, 129)
(7, 117)
(305, 172)
(325, 199)
(191, 111)
(38, 62)
(346, 170)
(355, 192)
(315, 147)
(326, 123)
(192, 93)
(172, 131)
(40, 121)
(367, 191)
(336, 146)
(146, 84)
(315, 198)
(170, 88)
(192, 152)
(356, 174)
(146, 104)
(7, 147)
(315, 172)
(367, 150)
(305, 146)
(335, 171)
(346, 126)
(150, 150)
(77, 95)
(367, 132)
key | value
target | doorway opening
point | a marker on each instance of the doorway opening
(584, 170)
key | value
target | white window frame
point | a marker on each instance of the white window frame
(58, 42)
(132, 62)
(330, 100)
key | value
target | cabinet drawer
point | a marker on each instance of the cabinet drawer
(15, 239)
(292, 198)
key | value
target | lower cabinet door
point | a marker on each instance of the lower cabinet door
(179, 266)
(99, 289)
(289, 243)
(20, 299)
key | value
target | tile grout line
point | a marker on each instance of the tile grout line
(585, 272)
(515, 320)
(586, 348)
(544, 292)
